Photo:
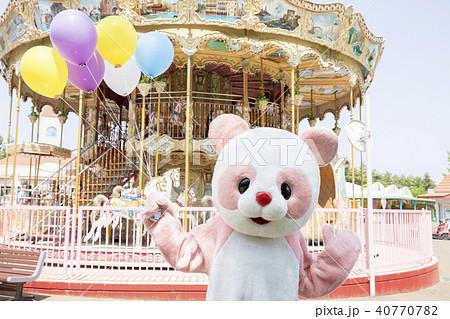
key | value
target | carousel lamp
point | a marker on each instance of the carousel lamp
(33, 116)
(144, 86)
(62, 116)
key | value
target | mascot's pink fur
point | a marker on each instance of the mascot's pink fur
(265, 188)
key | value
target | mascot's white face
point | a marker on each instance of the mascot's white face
(266, 181)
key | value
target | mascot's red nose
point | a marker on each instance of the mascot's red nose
(263, 198)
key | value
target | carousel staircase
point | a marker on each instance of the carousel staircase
(110, 168)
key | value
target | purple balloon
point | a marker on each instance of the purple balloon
(87, 77)
(74, 36)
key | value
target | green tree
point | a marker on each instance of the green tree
(3, 146)
(448, 169)
(417, 185)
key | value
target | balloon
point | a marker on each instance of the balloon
(44, 71)
(154, 53)
(73, 35)
(122, 80)
(116, 40)
(87, 77)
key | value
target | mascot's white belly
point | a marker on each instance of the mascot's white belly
(254, 268)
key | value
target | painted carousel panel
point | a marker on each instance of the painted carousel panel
(224, 10)
(15, 28)
(279, 14)
(325, 27)
(99, 9)
(169, 9)
(44, 13)
(356, 40)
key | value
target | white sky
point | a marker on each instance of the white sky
(409, 95)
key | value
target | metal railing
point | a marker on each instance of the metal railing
(113, 238)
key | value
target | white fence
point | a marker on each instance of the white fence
(93, 239)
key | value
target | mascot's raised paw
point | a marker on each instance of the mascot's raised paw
(343, 249)
(265, 187)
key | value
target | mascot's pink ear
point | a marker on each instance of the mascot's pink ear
(323, 142)
(224, 128)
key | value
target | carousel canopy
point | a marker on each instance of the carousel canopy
(328, 47)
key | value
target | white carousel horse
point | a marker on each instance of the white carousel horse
(122, 197)
(113, 217)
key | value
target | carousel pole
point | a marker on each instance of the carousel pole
(245, 106)
(157, 132)
(361, 153)
(292, 100)
(141, 153)
(187, 137)
(369, 218)
(38, 160)
(263, 117)
(15, 141)
(31, 140)
(353, 151)
(8, 139)
(282, 104)
(77, 167)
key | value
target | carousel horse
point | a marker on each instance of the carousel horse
(122, 197)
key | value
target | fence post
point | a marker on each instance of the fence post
(67, 232)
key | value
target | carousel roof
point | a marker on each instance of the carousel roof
(38, 149)
(328, 45)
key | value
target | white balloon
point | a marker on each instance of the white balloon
(122, 80)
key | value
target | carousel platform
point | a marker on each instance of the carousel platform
(174, 285)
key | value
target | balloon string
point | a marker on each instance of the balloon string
(100, 134)
(118, 122)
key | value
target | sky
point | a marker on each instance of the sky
(410, 104)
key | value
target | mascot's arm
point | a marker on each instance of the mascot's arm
(188, 252)
(321, 276)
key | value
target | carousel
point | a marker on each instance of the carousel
(274, 63)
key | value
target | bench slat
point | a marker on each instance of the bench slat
(13, 272)
(7, 256)
(11, 266)
(18, 261)
(24, 252)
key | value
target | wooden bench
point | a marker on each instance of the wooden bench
(17, 267)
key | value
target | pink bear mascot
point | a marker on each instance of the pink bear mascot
(265, 187)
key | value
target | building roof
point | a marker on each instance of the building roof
(442, 190)
(444, 186)
(48, 112)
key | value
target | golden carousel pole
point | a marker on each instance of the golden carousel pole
(293, 100)
(362, 175)
(187, 137)
(8, 139)
(37, 161)
(157, 132)
(353, 151)
(77, 167)
(141, 153)
(15, 141)
(263, 117)
(245, 105)
(31, 159)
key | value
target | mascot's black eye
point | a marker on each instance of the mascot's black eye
(244, 185)
(286, 191)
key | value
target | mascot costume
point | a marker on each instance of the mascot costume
(265, 187)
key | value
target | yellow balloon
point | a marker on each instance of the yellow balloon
(116, 40)
(44, 71)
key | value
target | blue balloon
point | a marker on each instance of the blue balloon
(154, 53)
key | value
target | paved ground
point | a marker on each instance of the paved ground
(440, 291)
